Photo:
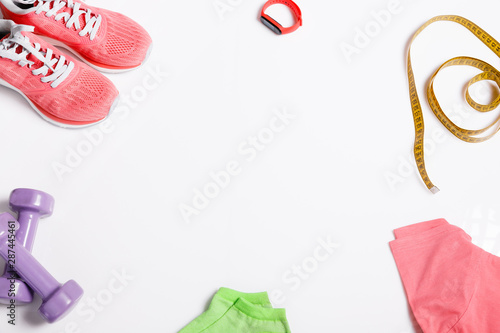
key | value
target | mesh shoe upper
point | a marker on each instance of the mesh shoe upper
(87, 98)
(124, 43)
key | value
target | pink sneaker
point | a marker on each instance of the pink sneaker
(62, 90)
(105, 40)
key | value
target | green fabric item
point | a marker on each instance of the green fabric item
(232, 312)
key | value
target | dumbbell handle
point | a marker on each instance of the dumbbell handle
(25, 235)
(32, 272)
(28, 224)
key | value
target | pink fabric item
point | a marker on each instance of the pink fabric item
(451, 284)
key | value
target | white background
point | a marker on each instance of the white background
(325, 176)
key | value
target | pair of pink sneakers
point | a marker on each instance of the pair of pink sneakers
(64, 91)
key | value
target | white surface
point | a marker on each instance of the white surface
(323, 176)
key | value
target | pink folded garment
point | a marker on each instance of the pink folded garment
(452, 285)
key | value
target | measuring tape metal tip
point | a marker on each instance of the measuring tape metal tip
(434, 190)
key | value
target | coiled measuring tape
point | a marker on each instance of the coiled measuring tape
(488, 73)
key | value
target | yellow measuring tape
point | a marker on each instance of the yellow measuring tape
(488, 73)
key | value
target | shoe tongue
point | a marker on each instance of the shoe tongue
(31, 57)
(65, 9)
(36, 63)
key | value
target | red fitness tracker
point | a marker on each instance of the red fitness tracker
(277, 28)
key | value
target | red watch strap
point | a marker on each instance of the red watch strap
(273, 24)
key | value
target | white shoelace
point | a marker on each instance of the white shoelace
(92, 22)
(9, 48)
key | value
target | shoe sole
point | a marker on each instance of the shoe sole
(57, 121)
(107, 70)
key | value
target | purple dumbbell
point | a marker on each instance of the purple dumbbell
(58, 300)
(31, 206)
